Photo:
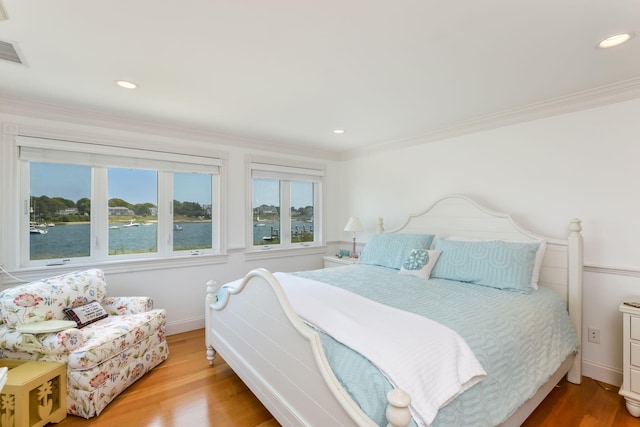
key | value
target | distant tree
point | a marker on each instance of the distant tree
(189, 209)
(307, 211)
(66, 202)
(142, 208)
(115, 203)
(44, 207)
(84, 206)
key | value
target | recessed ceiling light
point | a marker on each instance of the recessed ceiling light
(616, 40)
(338, 131)
(127, 85)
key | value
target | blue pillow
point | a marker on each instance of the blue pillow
(391, 250)
(494, 263)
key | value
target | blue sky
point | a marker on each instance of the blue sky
(267, 192)
(141, 186)
(132, 185)
(67, 181)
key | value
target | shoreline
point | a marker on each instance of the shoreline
(126, 221)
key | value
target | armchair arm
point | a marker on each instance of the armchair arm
(62, 342)
(118, 306)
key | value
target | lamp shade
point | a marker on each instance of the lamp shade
(354, 224)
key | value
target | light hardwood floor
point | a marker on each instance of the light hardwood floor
(185, 391)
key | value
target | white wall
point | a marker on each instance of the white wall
(544, 172)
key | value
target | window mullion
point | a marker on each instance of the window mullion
(24, 212)
(99, 213)
(285, 213)
(165, 212)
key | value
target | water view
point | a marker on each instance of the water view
(268, 232)
(73, 240)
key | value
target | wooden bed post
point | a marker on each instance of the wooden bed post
(398, 414)
(212, 288)
(575, 293)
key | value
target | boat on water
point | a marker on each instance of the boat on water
(177, 228)
(132, 224)
(114, 227)
(38, 231)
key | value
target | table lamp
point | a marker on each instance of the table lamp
(354, 225)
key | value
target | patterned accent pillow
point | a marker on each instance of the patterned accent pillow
(391, 250)
(495, 263)
(86, 314)
(420, 262)
(535, 276)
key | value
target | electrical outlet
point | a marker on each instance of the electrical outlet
(594, 335)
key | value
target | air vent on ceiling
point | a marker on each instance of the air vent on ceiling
(9, 53)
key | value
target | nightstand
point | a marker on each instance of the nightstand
(334, 261)
(631, 355)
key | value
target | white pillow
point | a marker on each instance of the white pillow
(420, 262)
(535, 276)
(46, 326)
(542, 247)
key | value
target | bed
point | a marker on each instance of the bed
(290, 363)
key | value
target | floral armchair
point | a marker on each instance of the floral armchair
(104, 357)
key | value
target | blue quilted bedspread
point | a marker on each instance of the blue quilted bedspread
(520, 340)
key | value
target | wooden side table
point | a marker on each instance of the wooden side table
(34, 395)
(630, 389)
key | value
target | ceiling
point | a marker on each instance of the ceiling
(289, 72)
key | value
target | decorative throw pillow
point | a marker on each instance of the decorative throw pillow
(86, 314)
(420, 262)
(535, 275)
(391, 250)
(495, 263)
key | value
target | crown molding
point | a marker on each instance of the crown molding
(591, 98)
(86, 117)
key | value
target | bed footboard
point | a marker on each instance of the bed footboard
(280, 358)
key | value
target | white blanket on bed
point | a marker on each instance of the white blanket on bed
(422, 357)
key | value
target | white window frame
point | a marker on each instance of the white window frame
(100, 157)
(286, 172)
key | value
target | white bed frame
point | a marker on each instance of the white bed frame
(281, 359)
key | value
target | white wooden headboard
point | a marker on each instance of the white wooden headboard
(561, 271)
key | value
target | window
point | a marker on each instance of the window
(286, 208)
(86, 202)
(133, 211)
(192, 209)
(61, 193)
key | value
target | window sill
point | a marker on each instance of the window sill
(111, 267)
(258, 254)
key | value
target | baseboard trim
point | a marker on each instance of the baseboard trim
(605, 374)
(185, 326)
